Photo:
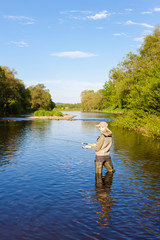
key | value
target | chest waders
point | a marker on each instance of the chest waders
(107, 163)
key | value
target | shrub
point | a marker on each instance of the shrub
(146, 123)
(58, 114)
(39, 113)
(43, 112)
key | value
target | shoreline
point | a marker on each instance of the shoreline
(65, 117)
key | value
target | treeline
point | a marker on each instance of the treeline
(15, 98)
(133, 86)
(70, 106)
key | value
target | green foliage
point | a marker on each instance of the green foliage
(153, 126)
(134, 87)
(148, 124)
(43, 112)
(135, 83)
(14, 97)
(39, 113)
(41, 98)
(91, 100)
(58, 114)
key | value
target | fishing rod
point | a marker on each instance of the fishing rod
(68, 140)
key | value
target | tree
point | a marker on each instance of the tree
(14, 98)
(41, 98)
(135, 83)
(91, 100)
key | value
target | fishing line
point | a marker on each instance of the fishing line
(68, 140)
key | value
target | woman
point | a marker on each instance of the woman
(102, 149)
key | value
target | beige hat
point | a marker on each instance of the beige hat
(104, 125)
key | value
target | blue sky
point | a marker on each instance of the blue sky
(71, 45)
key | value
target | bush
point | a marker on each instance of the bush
(39, 113)
(58, 114)
(153, 126)
(147, 124)
(42, 112)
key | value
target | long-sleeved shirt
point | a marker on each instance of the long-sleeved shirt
(103, 144)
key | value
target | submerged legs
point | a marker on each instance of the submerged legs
(106, 162)
(108, 165)
(98, 167)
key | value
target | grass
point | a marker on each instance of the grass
(43, 112)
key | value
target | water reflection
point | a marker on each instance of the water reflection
(15, 135)
(140, 153)
(102, 189)
(11, 138)
(101, 199)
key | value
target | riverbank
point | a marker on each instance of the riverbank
(65, 117)
(145, 123)
(135, 120)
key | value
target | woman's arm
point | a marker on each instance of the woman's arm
(98, 145)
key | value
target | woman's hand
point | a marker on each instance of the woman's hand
(87, 146)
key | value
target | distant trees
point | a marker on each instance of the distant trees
(91, 100)
(16, 98)
(65, 106)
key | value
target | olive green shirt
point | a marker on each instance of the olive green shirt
(103, 144)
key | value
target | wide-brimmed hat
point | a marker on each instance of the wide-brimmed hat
(103, 124)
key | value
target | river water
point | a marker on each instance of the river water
(49, 189)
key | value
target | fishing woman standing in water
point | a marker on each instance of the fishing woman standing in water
(102, 149)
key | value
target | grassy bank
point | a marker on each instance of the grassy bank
(108, 110)
(147, 124)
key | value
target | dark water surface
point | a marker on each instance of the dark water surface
(48, 188)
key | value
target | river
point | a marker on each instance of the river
(49, 189)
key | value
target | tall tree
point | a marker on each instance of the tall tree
(41, 98)
(14, 98)
(135, 83)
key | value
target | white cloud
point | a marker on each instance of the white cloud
(129, 22)
(151, 12)
(74, 54)
(119, 34)
(20, 44)
(128, 10)
(146, 32)
(140, 39)
(100, 28)
(98, 16)
(156, 9)
(146, 25)
(146, 12)
(75, 11)
(22, 19)
(140, 24)
(85, 15)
